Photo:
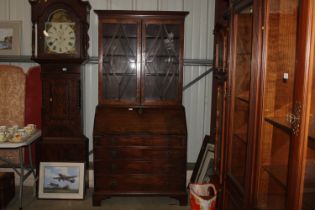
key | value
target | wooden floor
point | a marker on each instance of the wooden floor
(115, 203)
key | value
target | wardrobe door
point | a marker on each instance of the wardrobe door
(240, 74)
(309, 174)
(280, 108)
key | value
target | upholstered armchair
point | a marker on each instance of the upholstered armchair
(20, 99)
(12, 95)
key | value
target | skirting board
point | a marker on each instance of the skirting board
(30, 180)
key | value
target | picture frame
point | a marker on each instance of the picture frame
(61, 180)
(204, 167)
(10, 37)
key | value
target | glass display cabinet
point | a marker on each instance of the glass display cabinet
(280, 108)
(286, 124)
(270, 158)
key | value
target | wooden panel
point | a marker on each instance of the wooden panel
(142, 121)
(134, 183)
(137, 153)
(141, 140)
(63, 149)
(61, 105)
(161, 166)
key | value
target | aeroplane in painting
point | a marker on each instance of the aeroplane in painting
(62, 177)
(53, 185)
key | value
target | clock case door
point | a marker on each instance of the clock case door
(61, 105)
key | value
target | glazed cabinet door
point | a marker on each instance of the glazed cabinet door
(119, 63)
(309, 170)
(282, 105)
(240, 82)
(308, 175)
(61, 105)
(162, 49)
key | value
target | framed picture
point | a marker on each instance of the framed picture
(204, 167)
(61, 180)
(10, 37)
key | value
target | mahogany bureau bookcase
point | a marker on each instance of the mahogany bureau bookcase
(140, 128)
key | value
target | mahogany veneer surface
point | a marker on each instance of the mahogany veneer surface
(140, 152)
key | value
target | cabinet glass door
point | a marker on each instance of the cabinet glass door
(161, 61)
(242, 52)
(309, 174)
(278, 118)
(119, 62)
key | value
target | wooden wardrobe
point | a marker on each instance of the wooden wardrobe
(268, 127)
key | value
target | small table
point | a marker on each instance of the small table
(19, 169)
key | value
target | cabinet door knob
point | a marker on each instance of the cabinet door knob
(64, 69)
(50, 99)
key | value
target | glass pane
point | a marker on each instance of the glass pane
(309, 180)
(242, 69)
(120, 61)
(278, 103)
(161, 65)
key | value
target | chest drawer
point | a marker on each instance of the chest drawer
(140, 153)
(141, 140)
(139, 167)
(138, 183)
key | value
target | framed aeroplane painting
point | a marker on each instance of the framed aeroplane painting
(61, 180)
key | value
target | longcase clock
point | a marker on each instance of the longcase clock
(59, 45)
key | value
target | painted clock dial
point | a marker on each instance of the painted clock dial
(60, 37)
(60, 33)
